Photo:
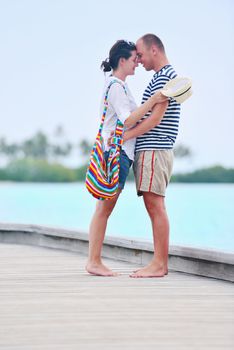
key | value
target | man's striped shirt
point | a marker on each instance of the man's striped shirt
(163, 135)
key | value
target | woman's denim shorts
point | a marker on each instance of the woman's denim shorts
(125, 164)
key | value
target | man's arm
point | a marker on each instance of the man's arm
(138, 113)
(147, 124)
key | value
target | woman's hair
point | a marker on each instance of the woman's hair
(121, 49)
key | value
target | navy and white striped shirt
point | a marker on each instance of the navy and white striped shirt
(163, 135)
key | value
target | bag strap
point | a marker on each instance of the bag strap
(119, 124)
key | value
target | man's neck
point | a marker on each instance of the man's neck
(160, 64)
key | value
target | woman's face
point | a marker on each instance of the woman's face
(130, 63)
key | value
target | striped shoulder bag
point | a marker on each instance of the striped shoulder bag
(102, 178)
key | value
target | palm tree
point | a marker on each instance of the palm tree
(85, 147)
(62, 148)
(9, 150)
(182, 151)
(36, 147)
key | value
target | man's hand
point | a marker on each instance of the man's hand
(126, 136)
(148, 123)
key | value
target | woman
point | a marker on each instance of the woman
(122, 61)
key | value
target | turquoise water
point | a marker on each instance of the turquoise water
(201, 215)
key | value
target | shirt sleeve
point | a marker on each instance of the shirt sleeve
(159, 83)
(119, 101)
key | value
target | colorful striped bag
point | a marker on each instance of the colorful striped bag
(102, 178)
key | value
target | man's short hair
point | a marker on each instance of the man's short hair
(151, 39)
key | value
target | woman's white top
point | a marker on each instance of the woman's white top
(120, 106)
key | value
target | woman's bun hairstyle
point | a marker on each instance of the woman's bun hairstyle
(121, 49)
(105, 66)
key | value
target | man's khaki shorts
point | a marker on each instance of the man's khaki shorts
(152, 170)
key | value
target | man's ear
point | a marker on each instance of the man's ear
(154, 50)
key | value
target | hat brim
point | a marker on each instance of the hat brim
(179, 88)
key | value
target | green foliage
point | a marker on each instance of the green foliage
(9, 150)
(86, 147)
(36, 159)
(181, 151)
(36, 170)
(3, 175)
(131, 175)
(38, 147)
(31, 160)
(81, 172)
(215, 174)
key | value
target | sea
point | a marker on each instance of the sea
(201, 215)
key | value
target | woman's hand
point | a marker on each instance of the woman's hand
(125, 137)
(110, 137)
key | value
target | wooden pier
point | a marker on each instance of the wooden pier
(48, 301)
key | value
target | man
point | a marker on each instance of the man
(156, 134)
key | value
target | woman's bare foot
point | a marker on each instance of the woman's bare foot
(98, 269)
(151, 270)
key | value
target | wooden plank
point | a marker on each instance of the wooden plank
(48, 301)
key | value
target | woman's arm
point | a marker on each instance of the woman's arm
(148, 123)
(136, 115)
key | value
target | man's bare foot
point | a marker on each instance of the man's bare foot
(166, 271)
(100, 270)
(150, 271)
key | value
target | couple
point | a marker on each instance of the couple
(149, 136)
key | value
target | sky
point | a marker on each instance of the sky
(51, 51)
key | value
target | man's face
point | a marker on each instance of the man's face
(145, 55)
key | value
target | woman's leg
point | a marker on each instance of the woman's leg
(99, 223)
(96, 237)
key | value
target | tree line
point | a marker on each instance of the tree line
(39, 146)
(41, 159)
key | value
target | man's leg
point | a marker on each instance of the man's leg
(96, 237)
(156, 209)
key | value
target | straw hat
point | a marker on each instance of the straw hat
(179, 88)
